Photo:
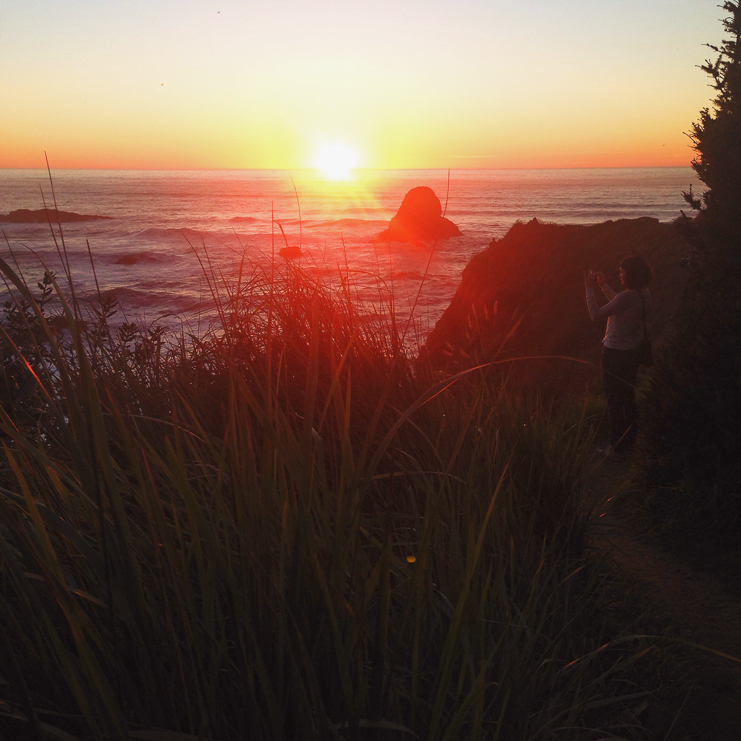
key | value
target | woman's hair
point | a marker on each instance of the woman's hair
(637, 272)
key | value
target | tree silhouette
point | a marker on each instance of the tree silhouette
(693, 401)
(716, 137)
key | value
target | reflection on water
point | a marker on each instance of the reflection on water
(167, 227)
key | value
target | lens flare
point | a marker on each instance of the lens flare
(336, 161)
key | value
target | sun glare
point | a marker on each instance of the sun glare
(336, 161)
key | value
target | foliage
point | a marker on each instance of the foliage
(716, 137)
(286, 530)
(693, 405)
(23, 354)
(694, 401)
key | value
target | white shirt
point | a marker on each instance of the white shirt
(625, 314)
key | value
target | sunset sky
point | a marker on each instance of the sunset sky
(404, 83)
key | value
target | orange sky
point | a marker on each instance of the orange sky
(405, 83)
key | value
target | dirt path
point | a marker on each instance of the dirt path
(693, 606)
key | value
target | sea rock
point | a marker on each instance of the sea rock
(419, 219)
(43, 215)
(524, 294)
(291, 252)
(127, 260)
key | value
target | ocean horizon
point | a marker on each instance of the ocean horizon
(162, 226)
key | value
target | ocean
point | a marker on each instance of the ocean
(169, 225)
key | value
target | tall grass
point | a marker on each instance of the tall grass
(289, 529)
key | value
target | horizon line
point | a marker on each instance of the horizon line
(355, 169)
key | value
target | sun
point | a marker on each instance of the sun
(336, 161)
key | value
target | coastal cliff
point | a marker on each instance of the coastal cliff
(524, 294)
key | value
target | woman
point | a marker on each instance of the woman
(627, 313)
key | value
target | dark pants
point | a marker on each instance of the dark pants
(619, 371)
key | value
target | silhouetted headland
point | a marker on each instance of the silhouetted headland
(43, 215)
(533, 275)
(419, 219)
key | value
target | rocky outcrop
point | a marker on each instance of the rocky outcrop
(290, 252)
(128, 260)
(44, 215)
(419, 219)
(524, 294)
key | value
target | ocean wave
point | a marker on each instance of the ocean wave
(159, 232)
(407, 275)
(243, 219)
(160, 284)
(132, 258)
(348, 223)
(118, 293)
(145, 298)
(562, 204)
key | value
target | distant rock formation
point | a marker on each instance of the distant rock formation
(43, 215)
(530, 284)
(419, 219)
(127, 260)
(291, 252)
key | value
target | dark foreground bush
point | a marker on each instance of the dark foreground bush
(693, 405)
